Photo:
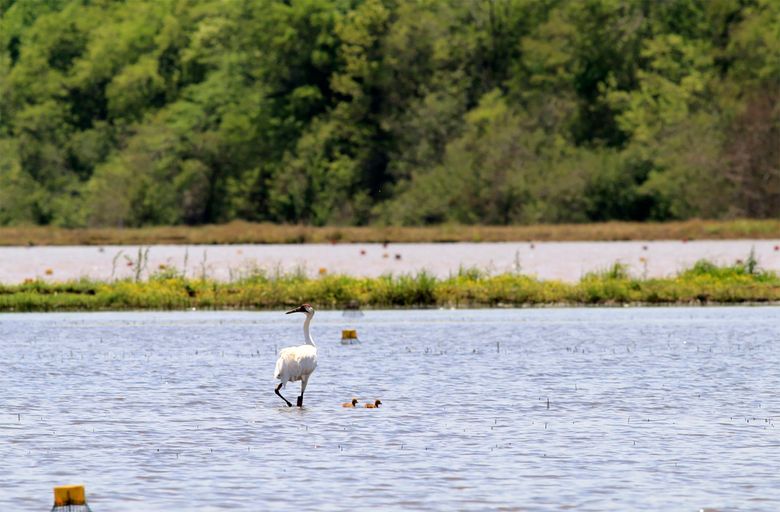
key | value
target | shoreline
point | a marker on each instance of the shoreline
(462, 307)
(240, 232)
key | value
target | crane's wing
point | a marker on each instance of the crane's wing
(294, 362)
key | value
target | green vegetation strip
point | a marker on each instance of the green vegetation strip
(263, 233)
(704, 283)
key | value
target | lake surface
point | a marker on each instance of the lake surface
(567, 261)
(649, 409)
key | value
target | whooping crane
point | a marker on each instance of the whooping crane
(297, 363)
(353, 403)
(375, 405)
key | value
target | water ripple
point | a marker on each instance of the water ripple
(585, 409)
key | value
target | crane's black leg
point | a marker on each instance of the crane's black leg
(280, 395)
(304, 381)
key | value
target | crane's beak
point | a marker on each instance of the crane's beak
(299, 309)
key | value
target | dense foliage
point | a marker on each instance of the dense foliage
(143, 112)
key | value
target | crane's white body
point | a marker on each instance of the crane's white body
(298, 363)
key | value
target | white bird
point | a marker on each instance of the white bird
(297, 363)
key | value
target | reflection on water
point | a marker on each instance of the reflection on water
(587, 409)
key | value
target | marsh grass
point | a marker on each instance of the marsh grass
(246, 233)
(169, 289)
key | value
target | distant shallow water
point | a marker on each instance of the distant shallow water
(567, 261)
(582, 409)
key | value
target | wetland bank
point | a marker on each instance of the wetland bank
(388, 275)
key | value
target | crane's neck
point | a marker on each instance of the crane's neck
(306, 333)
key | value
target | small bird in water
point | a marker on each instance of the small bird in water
(353, 403)
(375, 405)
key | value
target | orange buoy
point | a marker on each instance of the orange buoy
(349, 337)
(68, 496)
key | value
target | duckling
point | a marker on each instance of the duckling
(353, 403)
(375, 405)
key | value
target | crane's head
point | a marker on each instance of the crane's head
(304, 308)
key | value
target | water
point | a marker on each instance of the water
(567, 261)
(649, 409)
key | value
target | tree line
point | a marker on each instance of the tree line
(354, 112)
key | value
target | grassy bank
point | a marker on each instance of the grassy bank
(244, 232)
(704, 283)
